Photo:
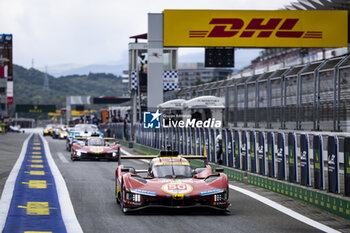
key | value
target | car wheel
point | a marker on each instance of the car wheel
(125, 210)
(121, 200)
(117, 195)
(122, 207)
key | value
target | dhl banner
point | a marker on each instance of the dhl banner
(253, 28)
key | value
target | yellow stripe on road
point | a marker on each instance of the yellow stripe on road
(38, 232)
(37, 166)
(36, 161)
(36, 184)
(37, 157)
(36, 208)
(36, 153)
(36, 144)
(37, 173)
(36, 148)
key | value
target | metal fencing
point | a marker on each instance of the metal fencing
(313, 96)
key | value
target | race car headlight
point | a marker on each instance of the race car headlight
(220, 197)
(134, 197)
(114, 153)
(79, 152)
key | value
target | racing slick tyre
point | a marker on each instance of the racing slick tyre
(117, 195)
(122, 207)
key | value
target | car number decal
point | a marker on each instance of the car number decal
(177, 188)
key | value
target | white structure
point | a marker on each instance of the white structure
(172, 105)
(204, 107)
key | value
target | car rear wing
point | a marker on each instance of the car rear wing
(165, 154)
(111, 139)
(79, 138)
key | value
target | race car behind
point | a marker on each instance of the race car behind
(95, 148)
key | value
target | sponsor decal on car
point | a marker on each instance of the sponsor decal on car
(145, 192)
(96, 149)
(210, 192)
(171, 163)
(177, 188)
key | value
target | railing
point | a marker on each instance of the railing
(314, 96)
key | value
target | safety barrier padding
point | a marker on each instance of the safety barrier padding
(123, 143)
(145, 149)
(327, 202)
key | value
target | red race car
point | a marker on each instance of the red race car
(171, 183)
(95, 148)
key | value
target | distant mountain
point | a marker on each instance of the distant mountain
(29, 86)
(70, 69)
(243, 57)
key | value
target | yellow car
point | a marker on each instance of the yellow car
(48, 130)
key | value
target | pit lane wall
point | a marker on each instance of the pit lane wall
(294, 164)
(322, 200)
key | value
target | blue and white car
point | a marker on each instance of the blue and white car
(82, 130)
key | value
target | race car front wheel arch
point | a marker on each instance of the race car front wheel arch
(121, 194)
(117, 194)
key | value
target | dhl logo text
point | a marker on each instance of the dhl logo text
(230, 27)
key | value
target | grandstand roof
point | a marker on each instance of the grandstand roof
(319, 5)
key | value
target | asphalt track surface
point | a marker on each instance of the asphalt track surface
(91, 188)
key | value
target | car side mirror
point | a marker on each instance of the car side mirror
(219, 169)
(128, 169)
(198, 170)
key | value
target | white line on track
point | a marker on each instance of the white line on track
(145, 160)
(62, 158)
(126, 153)
(7, 193)
(284, 210)
(138, 162)
(68, 215)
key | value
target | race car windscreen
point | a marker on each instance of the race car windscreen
(95, 142)
(87, 128)
(172, 171)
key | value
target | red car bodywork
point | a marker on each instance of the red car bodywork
(203, 189)
(82, 150)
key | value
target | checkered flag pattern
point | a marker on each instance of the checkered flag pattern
(134, 80)
(170, 80)
(169, 86)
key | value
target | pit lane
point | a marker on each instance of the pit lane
(91, 188)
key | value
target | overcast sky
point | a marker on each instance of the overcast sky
(87, 32)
